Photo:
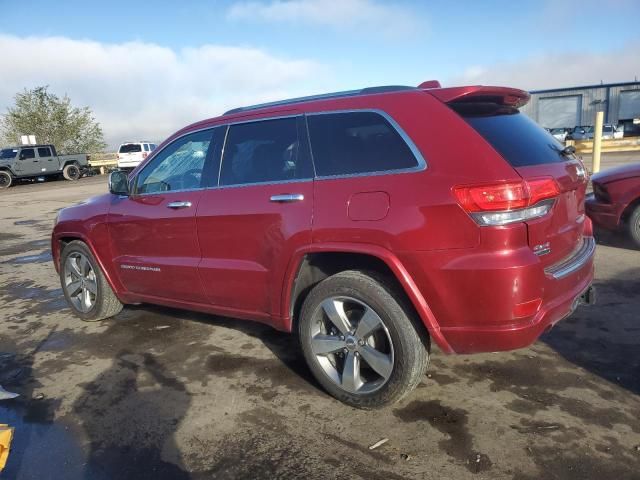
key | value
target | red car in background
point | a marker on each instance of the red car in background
(615, 201)
(371, 222)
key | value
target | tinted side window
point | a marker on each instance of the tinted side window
(356, 142)
(27, 153)
(179, 166)
(263, 151)
(152, 146)
(44, 152)
(146, 147)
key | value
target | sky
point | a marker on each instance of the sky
(147, 69)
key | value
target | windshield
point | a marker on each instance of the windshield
(8, 153)
(520, 140)
(130, 148)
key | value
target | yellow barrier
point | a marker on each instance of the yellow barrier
(613, 145)
(6, 433)
(103, 160)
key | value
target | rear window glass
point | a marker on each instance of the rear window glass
(357, 142)
(130, 148)
(519, 140)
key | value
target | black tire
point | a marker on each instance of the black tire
(106, 304)
(5, 179)
(633, 226)
(409, 341)
(71, 172)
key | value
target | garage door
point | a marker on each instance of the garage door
(629, 104)
(555, 112)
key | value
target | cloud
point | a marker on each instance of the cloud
(377, 17)
(558, 70)
(146, 91)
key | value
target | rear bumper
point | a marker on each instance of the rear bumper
(476, 340)
(475, 300)
(129, 164)
(605, 215)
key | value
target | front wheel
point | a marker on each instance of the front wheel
(71, 172)
(5, 179)
(85, 288)
(359, 340)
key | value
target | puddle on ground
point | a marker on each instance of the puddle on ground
(42, 257)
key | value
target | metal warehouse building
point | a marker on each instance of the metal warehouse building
(568, 107)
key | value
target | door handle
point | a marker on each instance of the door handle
(287, 198)
(178, 205)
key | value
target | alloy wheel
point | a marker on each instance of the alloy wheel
(352, 345)
(80, 282)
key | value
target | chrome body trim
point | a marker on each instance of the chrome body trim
(178, 205)
(578, 258)
(422, 164)
(287, 198)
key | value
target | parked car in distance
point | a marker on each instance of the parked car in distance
(350, 219)
(131, 154)
(580, 132)
(615, 201)
(560, 134)
(31, 161)
(610, 132)
(586, 132)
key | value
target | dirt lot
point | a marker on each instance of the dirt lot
(164, 394)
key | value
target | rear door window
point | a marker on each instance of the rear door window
(519, 140)
(130, 148)
(264, 151)
(146, 147)
(44, 152)
(347, 143)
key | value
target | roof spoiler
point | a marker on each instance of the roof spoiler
(512, 97)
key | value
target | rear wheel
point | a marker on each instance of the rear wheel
(634, 226)
(86, 289)
(71, 172)
(5, 179)
(359, 340)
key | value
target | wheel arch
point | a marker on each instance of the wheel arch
(628, 210)
(61, 240)
(314, 264)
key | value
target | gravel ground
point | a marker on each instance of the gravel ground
(166, 394)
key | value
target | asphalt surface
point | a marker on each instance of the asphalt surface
(156, 393)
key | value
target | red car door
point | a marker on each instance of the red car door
(153, 231)
(261, 213)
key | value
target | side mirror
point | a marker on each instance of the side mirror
(21, 157)
(119, 183)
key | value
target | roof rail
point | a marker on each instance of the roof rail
(324, 96)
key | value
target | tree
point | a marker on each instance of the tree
(52, 120)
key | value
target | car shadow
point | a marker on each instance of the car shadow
(605, 338)
(284, 346)
(614, 239)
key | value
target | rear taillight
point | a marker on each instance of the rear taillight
(504, 203)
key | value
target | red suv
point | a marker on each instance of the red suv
(371, 222)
